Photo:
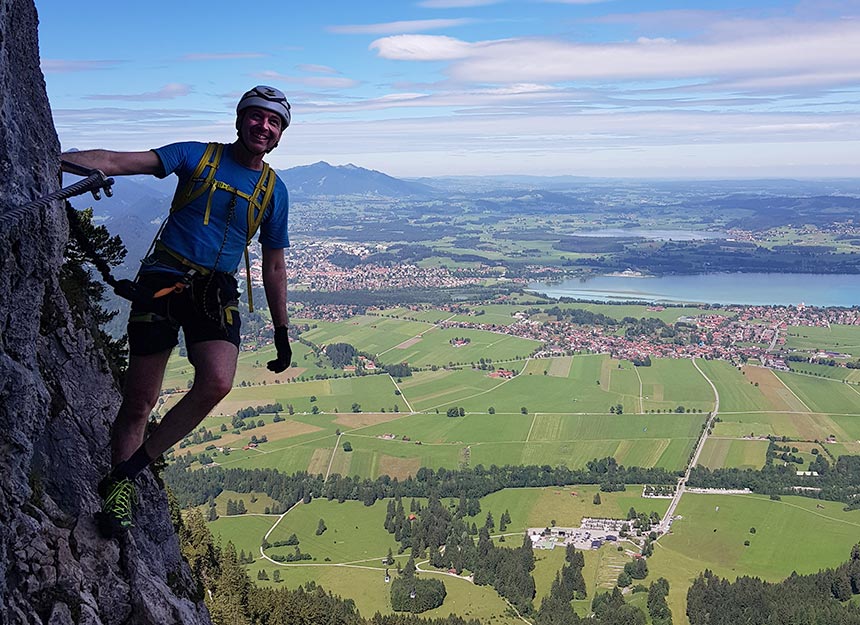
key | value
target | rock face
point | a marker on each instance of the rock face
(57, 401)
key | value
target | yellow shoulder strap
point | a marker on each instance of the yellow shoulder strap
(197, 184)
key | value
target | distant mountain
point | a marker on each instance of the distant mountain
(322, 179)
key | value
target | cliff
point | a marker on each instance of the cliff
(57, 400)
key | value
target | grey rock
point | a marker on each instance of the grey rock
(57, 402)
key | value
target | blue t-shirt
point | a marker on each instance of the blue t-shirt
(187, 235)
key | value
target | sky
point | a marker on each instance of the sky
(605, 88)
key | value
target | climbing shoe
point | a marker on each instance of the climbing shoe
(118, 496)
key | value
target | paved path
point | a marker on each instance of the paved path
(666, 521)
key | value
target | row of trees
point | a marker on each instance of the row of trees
(195, 488)
(838, 482)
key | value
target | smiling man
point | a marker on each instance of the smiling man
(225, 193)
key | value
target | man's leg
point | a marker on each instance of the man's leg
(214, 370)
(140, 393)
(215, 367)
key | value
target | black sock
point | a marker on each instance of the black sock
(129, 469)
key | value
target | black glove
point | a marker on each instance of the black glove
(285, 352)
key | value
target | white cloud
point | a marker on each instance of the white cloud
(227, 56)
(322, 82)
(67, 66)
(421, 48)
(813, 49)
(409, 26)
(318, 69)
(167, 92)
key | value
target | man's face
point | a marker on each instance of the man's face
(260, 129)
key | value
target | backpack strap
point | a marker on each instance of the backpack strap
(258, 200)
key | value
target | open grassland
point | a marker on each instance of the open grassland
(822, 395)
(435, 348)
(347, 557)
(835, 338)
(737, 392)
(801, 426)
(795, 534)
(497, 314)
(732, 453)
(709, 534)
(371, 594)
(430, 315)
(372, 334)
(850, 376)
(669, 383)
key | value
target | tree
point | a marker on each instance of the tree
(85, 294)
(347, 446)
(321, 527)
(596, 499)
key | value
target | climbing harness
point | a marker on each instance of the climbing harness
(202, 181)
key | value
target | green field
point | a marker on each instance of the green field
(835, 338)
(729, 453)
(737, 394)
(823, 395)
(347, 556)
(795, 534)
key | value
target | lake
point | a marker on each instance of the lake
(714, 288)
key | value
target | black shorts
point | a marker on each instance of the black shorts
(206, 310)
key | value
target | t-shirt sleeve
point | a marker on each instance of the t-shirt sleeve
(179, 157)
(273, 231)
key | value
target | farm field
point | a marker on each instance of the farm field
(732, 453)
(522, 410)
(713, 528)
(737, 392)
(835, 338)
(802, 426)
(822, 395)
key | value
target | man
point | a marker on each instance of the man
(224, 193)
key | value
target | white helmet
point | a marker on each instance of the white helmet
(267, 98)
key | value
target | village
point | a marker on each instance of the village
(734, 333)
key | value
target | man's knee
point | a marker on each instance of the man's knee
(138, 403)
(213, 387)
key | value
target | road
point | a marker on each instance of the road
(666, 521)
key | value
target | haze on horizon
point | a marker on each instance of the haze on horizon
(610, 88)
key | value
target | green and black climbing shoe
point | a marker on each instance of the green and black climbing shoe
(118, 496)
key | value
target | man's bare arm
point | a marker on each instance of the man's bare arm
(117, 163)
(275, 284)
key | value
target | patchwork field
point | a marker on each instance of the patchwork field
(522, 410)
(347, 556)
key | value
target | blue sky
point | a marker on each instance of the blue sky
(669, 89)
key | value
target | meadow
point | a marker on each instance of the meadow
(562, 410)
(833, 338)
(347, 557)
